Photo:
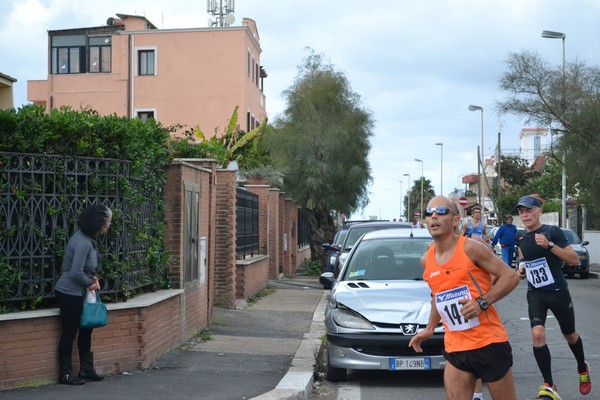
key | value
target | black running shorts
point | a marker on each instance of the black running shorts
(558, 301)
(490, 363)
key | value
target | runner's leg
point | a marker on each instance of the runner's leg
(504, 389)
(459, 384)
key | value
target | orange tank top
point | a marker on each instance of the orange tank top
(451, 282)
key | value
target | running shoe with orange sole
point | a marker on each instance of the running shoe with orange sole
(548, 392)
(585, 383)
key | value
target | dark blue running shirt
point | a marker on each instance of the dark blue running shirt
(531, 251)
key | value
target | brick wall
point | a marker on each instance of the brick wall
(200, 173)
(225, 238)
(274, 234)
(252, 276)
(174, 223)
(290, 227)
(138, 332)
(147, 326)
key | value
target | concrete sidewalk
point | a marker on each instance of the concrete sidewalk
(263, 351)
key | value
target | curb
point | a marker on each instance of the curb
(297, 383)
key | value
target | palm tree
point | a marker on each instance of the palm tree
(414, 196)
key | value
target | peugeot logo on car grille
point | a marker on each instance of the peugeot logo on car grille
(408, 329)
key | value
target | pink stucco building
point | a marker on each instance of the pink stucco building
(192, 77)
(6, 91)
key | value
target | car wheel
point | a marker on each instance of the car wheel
(584, 275)
(569, 276)
(335, 374)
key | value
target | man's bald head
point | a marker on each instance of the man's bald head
(443, 201)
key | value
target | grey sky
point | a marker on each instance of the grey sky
(416, 64)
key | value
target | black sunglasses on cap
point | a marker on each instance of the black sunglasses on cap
(440, 210)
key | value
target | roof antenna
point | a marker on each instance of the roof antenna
(222, 10)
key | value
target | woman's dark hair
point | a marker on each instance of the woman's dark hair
(92, 219)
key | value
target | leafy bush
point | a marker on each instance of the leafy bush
(80, 157)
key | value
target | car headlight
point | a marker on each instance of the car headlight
(349, 320)
(582, 254)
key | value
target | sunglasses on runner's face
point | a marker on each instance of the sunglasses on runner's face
(441, 210)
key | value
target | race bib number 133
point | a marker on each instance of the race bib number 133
(538, 272)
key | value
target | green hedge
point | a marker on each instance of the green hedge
(133, 155)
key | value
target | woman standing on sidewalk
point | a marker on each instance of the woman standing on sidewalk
(79, 274)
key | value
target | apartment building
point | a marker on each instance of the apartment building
(6, 91)
(129, 67)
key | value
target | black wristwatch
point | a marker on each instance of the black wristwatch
(483, 304)
(550, 244)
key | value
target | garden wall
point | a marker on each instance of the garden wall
(147, 326)
(139, 331)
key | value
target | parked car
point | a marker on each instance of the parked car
(378, 303)
(333, 248)
(355, 231)
(583, 269)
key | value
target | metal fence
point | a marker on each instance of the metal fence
(247, 223)
(303, 234)
(40, 198)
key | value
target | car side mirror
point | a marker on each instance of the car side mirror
(585, 243)
(326, 246)
(326, 279)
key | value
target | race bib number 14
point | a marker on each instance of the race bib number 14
(449, 308)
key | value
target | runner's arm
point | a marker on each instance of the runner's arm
(506, 279)
(420, 337)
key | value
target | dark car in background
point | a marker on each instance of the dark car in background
(355, 231)
(333, 248)
(583, 269)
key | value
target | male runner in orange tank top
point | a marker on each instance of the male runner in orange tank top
(459, 271)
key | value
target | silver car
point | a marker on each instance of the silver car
(378, 303)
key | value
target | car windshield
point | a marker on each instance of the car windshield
(340, 236)
(572, 237)
(387, 259)
(355, 232)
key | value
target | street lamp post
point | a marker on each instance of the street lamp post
(479, 108)
(421, 211)
(400, 219)
(560, 35)
(408, 197)
(441, 167)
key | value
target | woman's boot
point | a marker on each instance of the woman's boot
(66, 375)
(86, 370)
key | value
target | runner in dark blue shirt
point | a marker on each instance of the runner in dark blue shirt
(506, 236)
(543, 249)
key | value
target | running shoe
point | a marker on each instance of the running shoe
(548, 392)
(477, 398)
(585, 383)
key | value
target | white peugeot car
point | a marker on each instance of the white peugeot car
(378, 303)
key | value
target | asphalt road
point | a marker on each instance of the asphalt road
(383, 385)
